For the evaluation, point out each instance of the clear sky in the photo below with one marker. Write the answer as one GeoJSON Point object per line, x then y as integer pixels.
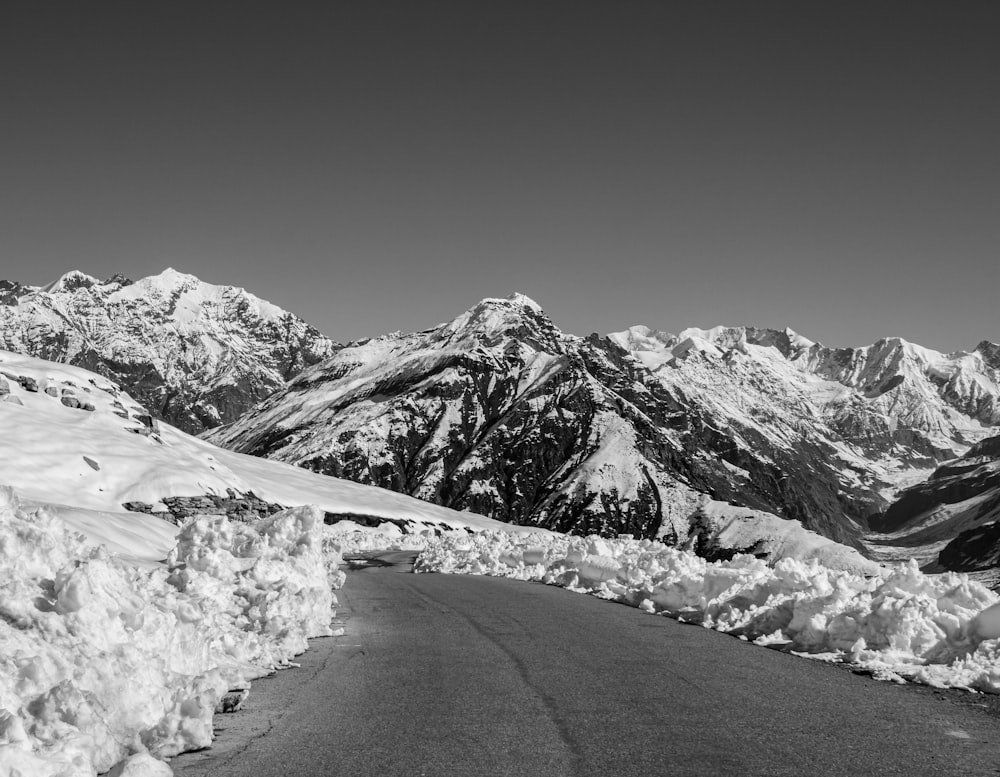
{"type": "Point", "coordinates": [383, 165]}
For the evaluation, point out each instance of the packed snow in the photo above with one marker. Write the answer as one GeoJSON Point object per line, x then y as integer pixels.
{"type": "Point", "coordinates": [943, 630]}
{"type": "Point", "coordinates": [107, 663]}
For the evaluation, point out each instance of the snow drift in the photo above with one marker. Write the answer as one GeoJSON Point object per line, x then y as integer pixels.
{"type": "Point", "coordinates": [943, 630]}
{"type": "Point", "coordinates": [105, 661]}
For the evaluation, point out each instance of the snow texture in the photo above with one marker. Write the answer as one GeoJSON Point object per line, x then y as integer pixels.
{"type": "Point", "coordinates": [943, 630]}
{"type": "Point", "coordinates": [106, 664]}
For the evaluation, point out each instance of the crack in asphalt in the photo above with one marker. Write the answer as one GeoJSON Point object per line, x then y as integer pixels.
{"type": "Point", "coordinates": [548, 701]}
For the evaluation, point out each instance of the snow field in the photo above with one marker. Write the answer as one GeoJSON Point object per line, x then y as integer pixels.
{"type": "Point", "coordinates": [106, 664]}
{"type": "Point", "coordinates": [943, 630]}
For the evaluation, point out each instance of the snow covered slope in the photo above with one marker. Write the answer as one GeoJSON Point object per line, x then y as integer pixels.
{"type": "Point", "coordinates": [74, 438]}
{"type": "Point", "coordinates": [951, 521]}
{"type": "Point", "coordinates": [195, 354]}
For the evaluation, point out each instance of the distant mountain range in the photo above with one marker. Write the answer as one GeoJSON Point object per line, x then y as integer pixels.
{"type": "Point", "coordinates": [498, 412]}
{"type": "Point", "coordinates": [195, 354]}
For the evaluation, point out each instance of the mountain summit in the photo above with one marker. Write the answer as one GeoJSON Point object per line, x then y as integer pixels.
{"type": "Point", "coordinates": [196, 354]}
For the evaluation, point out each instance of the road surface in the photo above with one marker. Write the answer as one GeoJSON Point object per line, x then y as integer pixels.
{"type": "Point", "coordinates": [472, 676]}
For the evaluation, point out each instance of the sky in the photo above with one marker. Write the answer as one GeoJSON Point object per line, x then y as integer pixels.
{"type": "Point", "coordinates": [381, 166]}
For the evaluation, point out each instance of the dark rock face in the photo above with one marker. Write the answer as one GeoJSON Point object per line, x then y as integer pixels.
{"type": "Point", "coordinates": [990, 353]}
{"type": "Point", "coordinates": [236, 506]}
{"type": "Point", "coordinates": [196, 355]}
{"type": "Point", "coordinates": [976, 549]}
{"type": "Point", "coordinates": [10, 291]}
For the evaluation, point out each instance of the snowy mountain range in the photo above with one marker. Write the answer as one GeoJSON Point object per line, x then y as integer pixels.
{"type": "Point", "coordinates": [501, 413]}
{"type": "Point", "coordinates": [195, 354]}
{"type": "Point", "coordinates": [133, 549]}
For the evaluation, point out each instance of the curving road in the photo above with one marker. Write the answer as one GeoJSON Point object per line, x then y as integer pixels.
{"type": "Point", "coordinates": [472, 676]}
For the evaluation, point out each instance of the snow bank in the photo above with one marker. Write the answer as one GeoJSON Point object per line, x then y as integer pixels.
{"type": "Point", "coordinates": [349, 537]}
{"type": "Point", "coordinates": [943, 630]}
{"type": "Point", "coordinates": [105, 662]}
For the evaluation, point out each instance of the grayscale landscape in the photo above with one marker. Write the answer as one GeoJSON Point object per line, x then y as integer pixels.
{"type": "Point", "coordinates": [499, 389]}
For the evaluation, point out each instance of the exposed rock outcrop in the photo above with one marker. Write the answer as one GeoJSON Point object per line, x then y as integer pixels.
{"type": "Point", "coordinates": [243, 507]}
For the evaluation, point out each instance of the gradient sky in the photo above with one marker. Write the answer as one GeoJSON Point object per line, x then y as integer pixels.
{"type": "Point", "coordinates": [373, 166]}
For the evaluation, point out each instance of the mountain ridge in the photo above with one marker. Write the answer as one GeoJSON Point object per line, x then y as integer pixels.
{"type": "Point", "coordinates": [665, 412]}
{"type": "Point", "coordinates": [500, 412]}
{"type": "Point", "coordinates": [196, 354]}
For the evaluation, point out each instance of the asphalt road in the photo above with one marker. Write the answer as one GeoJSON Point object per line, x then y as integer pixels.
{"type": "Point", "coordinates": [472, 676]}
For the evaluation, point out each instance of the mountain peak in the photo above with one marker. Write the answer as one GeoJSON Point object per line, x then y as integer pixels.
{"type": "Point", "coordinates": [71, 281]}
{"type": "Point", "coordinates": [523, 300]}
{"type": "Point", "coordinates": [236, 348]}
{"type": "Point", "coordinates": [493, 311]}
{"type": "Point", "coordinates": [118, 278]}
{"type": "Point", "coordinates": [514, 316]}
{"type": "Point", "coordinates": [170, 279]}
{"type": "Point", "coordinates": [515, 301]}
{"type": "Point", "coordinates": [798, 340]}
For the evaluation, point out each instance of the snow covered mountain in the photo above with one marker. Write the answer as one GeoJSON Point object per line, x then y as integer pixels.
{"type": "Point", "coordinates": [501, 413]}
{"type": "Point", "coordinates": [497, 412]}
{"type": "Point", "coordinates": [892, 397]}
{"type": "Point", "coordinates": [195, 354]}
